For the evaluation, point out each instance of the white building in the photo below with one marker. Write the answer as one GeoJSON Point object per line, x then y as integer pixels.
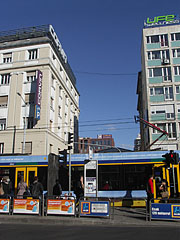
{"type": "Point", "coordinates": [35, 74]}
{"type": "Point", "coordinates": [159, 82]}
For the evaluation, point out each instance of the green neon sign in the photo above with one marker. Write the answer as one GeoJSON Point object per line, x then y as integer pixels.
{"type": "Point", "coordinates": [158, 19]}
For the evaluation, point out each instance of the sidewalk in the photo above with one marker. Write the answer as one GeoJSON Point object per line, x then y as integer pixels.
{"type": "Point", "coordinates": [121, 217]}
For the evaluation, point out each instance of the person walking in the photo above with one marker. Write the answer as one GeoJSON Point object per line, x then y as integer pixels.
{"type": "Point", "coordinates": [36, 188]}
{"type": "Point", "coordinates": [22, 188]}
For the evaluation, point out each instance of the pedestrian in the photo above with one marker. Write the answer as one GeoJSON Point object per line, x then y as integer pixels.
{"type": "Point", "coordinates": [1, 190]}
{"type": "Point", "coordinates": [79, 190]}
{"type": "Point", "coordinates": [57, 189]}
{"type": "Point", "coordinates": [6, 186]}
{"type": "Point", "coordinates": [106, 186]}
{"type": "Point", "coordinates": [22, 188]}
{"type": "Point", "coordinates": [164, 191]}
{"type": "Point", "coordinates": [150, 191]}
{"type": "Point", "coordinates": [36, 188]}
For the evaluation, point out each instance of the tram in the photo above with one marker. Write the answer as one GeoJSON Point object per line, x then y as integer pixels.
{"type": "Point", "coordinates": [125, 172]}
{"type": "Point", "coordinates": [128, 172]}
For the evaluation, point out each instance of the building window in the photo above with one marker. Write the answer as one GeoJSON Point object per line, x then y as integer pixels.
{"type": "Point", "coordinates": [166, 91]}
{"type": "Point", "coordinates": [3, 101]}
{"type": "Point", "coordinates": [28, 147]}
{"type": "Point", "coordinates": [161, 72]}
{"type": "Point", "coordinates": [29, 98]}
{"type": "Point", "coordinates": [2, 124]}
{"type": "Point", "coordinates": [154, 55]}
{"type": "Point", "coordinates": [33, 54]}
{"type": "Point", "coordinates": [52, 81]}
{"type": "Point", "coordinates": [177, 89]}
{"type": "Point", "coordinates": [7, 57]}
{"type": "Point", "coordinates": [5, 79]}
{"type": "Point", "coordinates": [30, 122]}
{"type": "Point", "coordinates": [162, 39]}
{"type": "Point", "coordinates": [52, 103]}
{"type": "Point", "coordinates": [177, 70]}
{"type": "Point", "coordinates": [50, 125]}
{"type": "Point", "coordinates": [176, 53]}
{"type": "Point", "coordinates": [59, 111]}
{"type": "Point", "coordinates": [31, 76]}
{"type": "Point", "coordinates": [1, 148]}
{"type": "Point", "coordinates": [175, 36]}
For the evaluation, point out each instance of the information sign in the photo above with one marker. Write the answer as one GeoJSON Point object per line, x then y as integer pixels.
{"type": "Point", "coordinates": [165, 211]}
{"type": "Point", "coordinates": [94, 208]}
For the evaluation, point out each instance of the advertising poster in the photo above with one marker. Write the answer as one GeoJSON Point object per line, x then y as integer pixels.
{"type": "Point", "coordinates": [165, 211]}
{"type": "Point", "coordinates": [61, 207]}
{"type": "Point", "coordinates": [4, 205]}
{"type": "Point", "coordinates": [94, 208]}
{"type": "Point", "coordinates": [90, 185]}
{"type": "Point", "coordinates": [26, 206]}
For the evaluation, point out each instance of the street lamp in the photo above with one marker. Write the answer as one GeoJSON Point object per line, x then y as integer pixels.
{"type": "Point", "coordinates": [24, 136]}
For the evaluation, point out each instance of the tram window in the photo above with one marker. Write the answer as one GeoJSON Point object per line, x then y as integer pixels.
{"type": "Point", "coordinates": [91, 173]}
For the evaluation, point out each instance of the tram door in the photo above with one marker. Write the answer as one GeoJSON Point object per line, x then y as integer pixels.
{"type": "Point", "coordinates": [171, 175]}
{"type": "Point", "coordinates": [27, 172]}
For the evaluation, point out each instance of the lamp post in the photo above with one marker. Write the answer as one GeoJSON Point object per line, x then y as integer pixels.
{"type": "Point", "coordinates": [24, 135]}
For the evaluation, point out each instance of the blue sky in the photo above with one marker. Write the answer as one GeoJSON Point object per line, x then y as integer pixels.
{"type": "Point", "coordinates": [102, 40]}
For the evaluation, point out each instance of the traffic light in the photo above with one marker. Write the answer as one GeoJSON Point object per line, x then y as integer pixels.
{"type": "Point", "coordinates": [63, 157]}
{"type": "Point", "coordinates": [70, 137]}
{"type": "Point", "coordinates": [171, 158]}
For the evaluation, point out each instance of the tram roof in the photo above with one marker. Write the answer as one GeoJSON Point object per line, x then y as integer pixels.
{"type": "Point", "coordinates": [118, 158]}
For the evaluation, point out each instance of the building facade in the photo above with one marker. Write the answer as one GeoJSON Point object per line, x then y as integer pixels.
{"type": "Point", "coordinates": [102, 142]}
{"type": "Point", "coordinates": [39, 101]}
{"type": "Point", "coordinates": [159, 82]}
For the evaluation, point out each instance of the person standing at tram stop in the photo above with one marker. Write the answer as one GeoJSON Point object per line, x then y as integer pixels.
{"type": "Point", "coordinates": [57, 189]}
{"type": "Point", "coordinates": [150, 190]}
{"type": "Point", "coordinates": [164, 191]}
{"type": "Point", "coordinates": [22, 188]}
{"type": "Point", "coordinates": [6, 185]}
{"type": "Point", "coordinates": [36, 188]}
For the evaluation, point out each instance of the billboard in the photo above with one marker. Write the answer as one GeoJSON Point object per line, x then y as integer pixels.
{"type": "Point", "coordinates": [38, 94]}
{"type": "Point", "coordinates": [61, 207]}
{"type": "Point", "coordinates": [165, 211]}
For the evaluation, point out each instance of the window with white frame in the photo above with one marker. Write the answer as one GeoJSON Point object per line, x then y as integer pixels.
{"type": "Point", "coordinates": [176, 53]}
{"type": "Point", "coordinates": [163, 54]}
{"type": "Point", "coordinates": [161, 72]}
{"type": "Point", "coordinates": [163, 39]}
{"type": "Point", "coordinates": [177, 70]}
{"type": "Point", "coordinates": [1, 148]}
{"type": "Point", "coordinates": [31, 76]}
{"type": "Point", "coordinates": [170, 128]}
{"type": "Point", "coordinates": [3, 101]}
{"type": "Point", "coordinates": [5, 79]}
{"type": "Point", "coordinates": [175, 36]}
{"type": "Point", "coordinates": [33, 54]}
{"type": "Point", "coordinates": [168, 110]}
{"type": "Point", "coordinates": [2, 124]}
{"type": "Point", "coordinates": [166, 91]}
{"type": "Point", "coordinates": [7, 57]}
